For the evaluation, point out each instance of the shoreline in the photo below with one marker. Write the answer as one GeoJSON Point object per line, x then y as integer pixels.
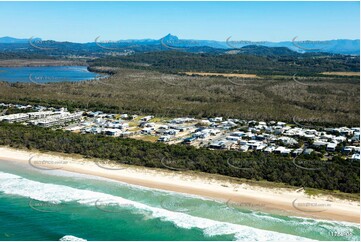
{"type": "Point", "coordinates": [283, 201]}
{"type": "Point", "coordinates": [40, 63]}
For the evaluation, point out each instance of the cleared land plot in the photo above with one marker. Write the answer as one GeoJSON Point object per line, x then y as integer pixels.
{"type": "Point", "coordinates": [221, 74]}
{"type": "Point", "coordinates": [340, 73]}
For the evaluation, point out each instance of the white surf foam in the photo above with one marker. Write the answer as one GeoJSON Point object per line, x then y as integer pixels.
{"type": "Point", "coordinates": [16, 185]}
{"type": "Point", "coordinates": [71, 238]}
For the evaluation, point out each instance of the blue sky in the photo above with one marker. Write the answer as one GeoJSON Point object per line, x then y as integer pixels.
{"type": "Point", "coordinates": [256, 21]}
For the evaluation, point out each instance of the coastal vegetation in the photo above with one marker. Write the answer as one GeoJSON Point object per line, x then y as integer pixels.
{"type": "Point", "coordinates": [320, 100]}
{"type": "Point", "coordinates": [249, 62]}
{"type": "Point", "coordinates": [334, 175]}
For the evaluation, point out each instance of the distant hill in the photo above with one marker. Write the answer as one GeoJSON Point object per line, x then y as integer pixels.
{"type": "Point", "coordinates": [342, 46]}
{"type": "Point", "coordinates": [171, 42]}
{"type": "Point", "coordinates": [265, 51]}
{"type": "Point", "coordinates": [11, 40]}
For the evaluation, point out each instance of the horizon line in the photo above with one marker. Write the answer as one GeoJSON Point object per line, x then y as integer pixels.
{"type": "Point", "coordinates": [145, 38]}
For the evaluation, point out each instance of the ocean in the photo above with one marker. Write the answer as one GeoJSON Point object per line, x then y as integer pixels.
{"type": "Point", "coordinates": [58, 205]}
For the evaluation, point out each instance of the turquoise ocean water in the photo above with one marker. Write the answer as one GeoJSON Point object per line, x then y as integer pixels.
{"type": "Point", "coordinates": [48, 205]}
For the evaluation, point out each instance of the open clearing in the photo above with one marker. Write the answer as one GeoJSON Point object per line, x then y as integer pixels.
{"type": "Point", "coordinates": [341, 73]}
{"type": "Point", "coordinates": [221, 74]}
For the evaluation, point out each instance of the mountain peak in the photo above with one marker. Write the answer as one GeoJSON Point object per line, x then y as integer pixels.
{"type": "Point", "coordinates": [170, 37]}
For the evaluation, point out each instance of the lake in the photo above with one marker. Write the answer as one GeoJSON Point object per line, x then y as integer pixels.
{"type": "Point", "coordinates": [46, 74]}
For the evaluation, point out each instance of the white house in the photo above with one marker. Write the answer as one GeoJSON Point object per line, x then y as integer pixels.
{"type": "Point", "coordinates": [237, 134]}
{"type": "Point", "coordinates": [355, 157]}
{"type": "Point", "coordinates": [244, 148]}
{"type": "Point", "coordinates": [331, 147]}
{"type": "Point", "coordinates": [146, 118]}
{"type": "Point", "coordinates": [269, 149]}
{"type": "Point", "coordinates": [164, 139]}
{"type": "Point", "coordinates": [113, 132]}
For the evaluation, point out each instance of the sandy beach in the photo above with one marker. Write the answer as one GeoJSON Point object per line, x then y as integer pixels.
{"type": "Point", "coordinates": [276, 200]}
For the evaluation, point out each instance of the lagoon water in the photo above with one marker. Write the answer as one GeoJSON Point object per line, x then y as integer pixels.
{"type": "Point", "coordinates": [46, 74]}
{"type": "Point", "coordinates": [48, 205]}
